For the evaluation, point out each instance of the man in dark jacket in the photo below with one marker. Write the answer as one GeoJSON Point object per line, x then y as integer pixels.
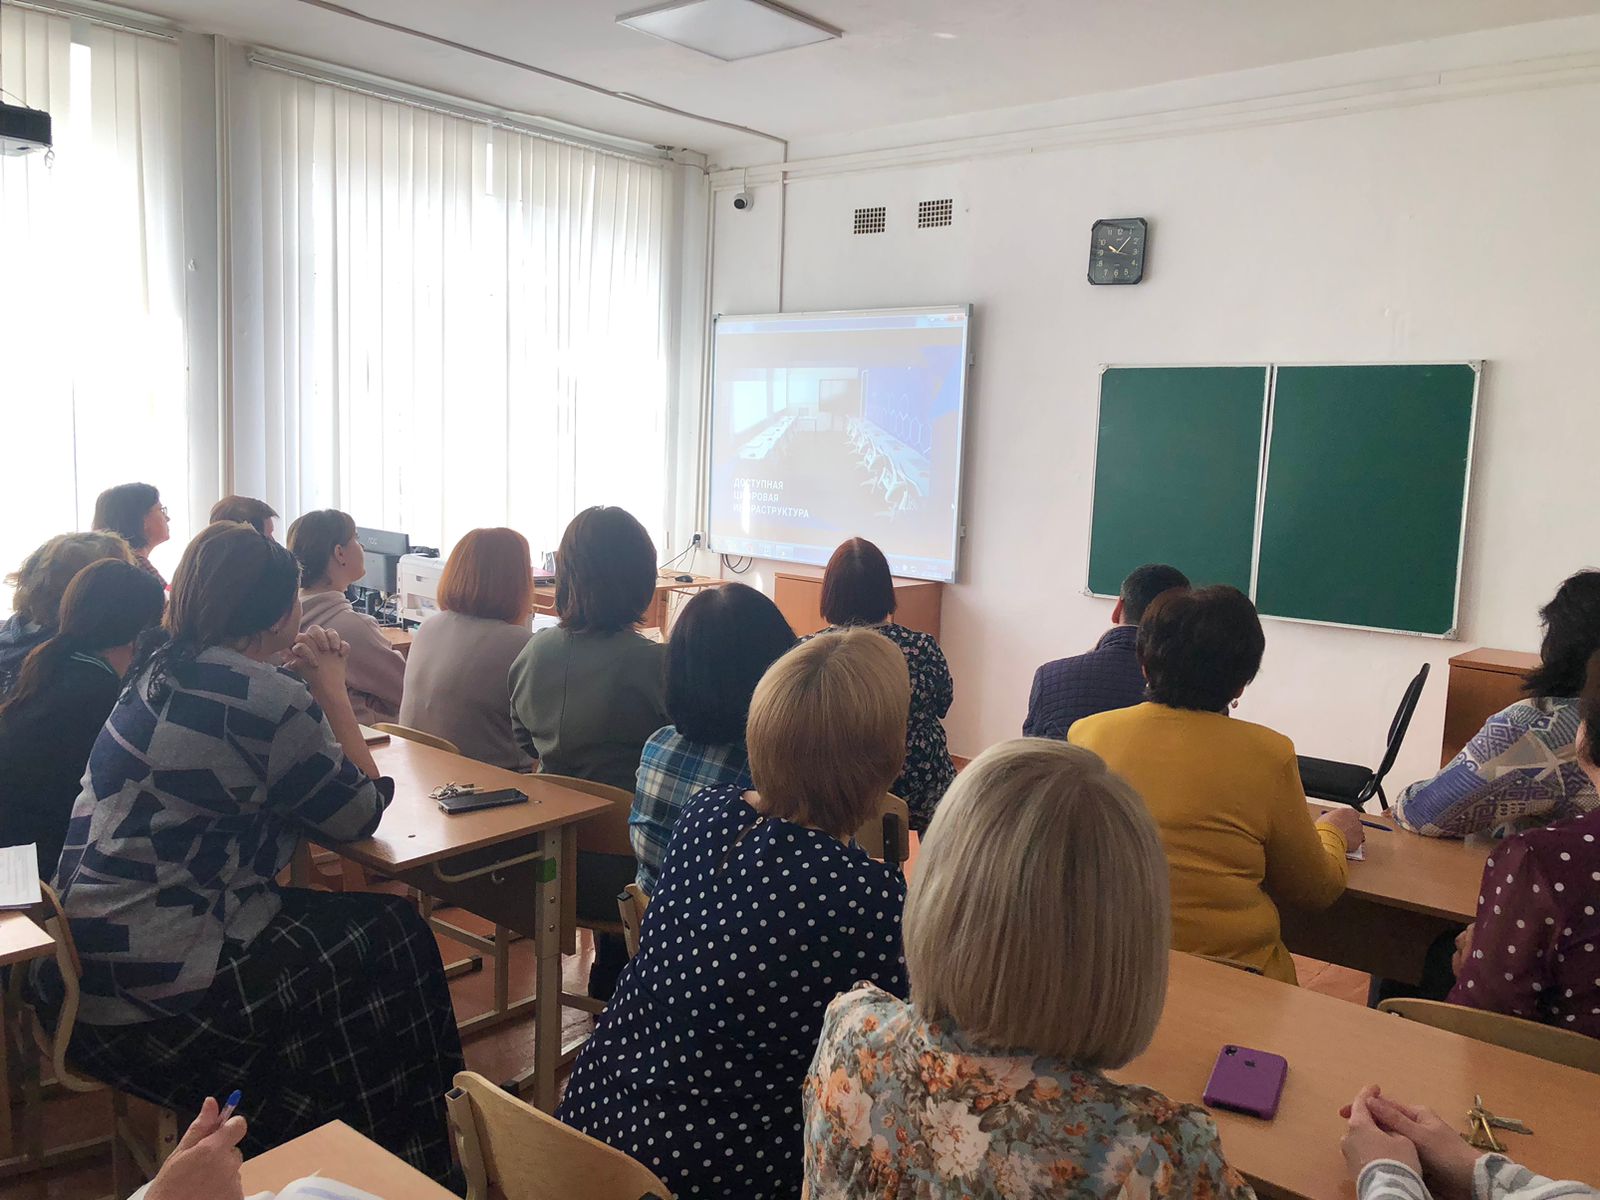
{"type": "Point", "coordinates": [1108, 676]}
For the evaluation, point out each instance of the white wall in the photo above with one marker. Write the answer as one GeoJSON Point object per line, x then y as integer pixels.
{"type": "Point", "coordinates": [1458, 227]}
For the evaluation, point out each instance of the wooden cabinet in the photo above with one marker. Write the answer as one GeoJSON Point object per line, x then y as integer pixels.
{"type": "Point", "coordinates": [1482, 682]}
{"type": "Point", "coordinates": [799, 599]}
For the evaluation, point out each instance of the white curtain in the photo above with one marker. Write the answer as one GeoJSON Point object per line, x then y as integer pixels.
{"type": "Point", "coordinates": [459, 324]}
{"type": "Point", "coordinates": [92, 357]}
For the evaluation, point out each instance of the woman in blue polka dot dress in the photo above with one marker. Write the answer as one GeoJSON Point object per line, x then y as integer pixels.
{"type": "Point", "coordinates": [764, 912]}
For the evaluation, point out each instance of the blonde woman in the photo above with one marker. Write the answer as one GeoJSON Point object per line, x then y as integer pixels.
{"type": "Point", "coordinates": [40, 583]}
{"type": "Point", "coordinates": [763, 912]}
{"type": "Point", "coordinates": [1036, 940]}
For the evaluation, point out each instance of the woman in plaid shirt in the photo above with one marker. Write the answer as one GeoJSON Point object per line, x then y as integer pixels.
{"type": "Point", "coordinates": [722, 643]}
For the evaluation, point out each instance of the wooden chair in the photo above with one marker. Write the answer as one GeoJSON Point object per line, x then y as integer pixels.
{"type": "Point", "coordinates": [889, 827]}
{"type": "Point", "coordinates": [133, 1161]}
{"type": "Point", "coordinates": [1527, 1037]}
{"type": "Point", "coordinates": [605, 855]}
{"type": "Point", "coordinates": [416, 735]}
{"type": "Point", "coordinates": [510, 1150]}
{"type": "Point", "coordinates": [497, 946]}
{"type": "Point", "coordinates": [630, 907]}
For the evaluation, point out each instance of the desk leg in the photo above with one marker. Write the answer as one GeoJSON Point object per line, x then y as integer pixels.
{"type": "Point", "coordinates": [300, 865]}
{"type": "Point", "coordinates": [549, 882]}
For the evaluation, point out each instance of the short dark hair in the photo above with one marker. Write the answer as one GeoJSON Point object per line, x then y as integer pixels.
{"type": "Point", "coordinates": [1589, 710]}
{"type": "Point", "coordinates": [605, 571]}
{"type": "Point", "coordinates": [1144, 584]}
{"type": "Point", "coordinates": [857, 588]}
{"type": "Point", "coordinates": [722, 643]}
{"type": "Point", "coordinates": [1200, 649]}
{"type": "Point", "coordinates": [313, 538]}
{"type": "Point", "coordinates": [247, 510]}
{"type": "Point", "coordinates": [122, 509]}
{"type": "Point", "coordinates": [1571, 636]}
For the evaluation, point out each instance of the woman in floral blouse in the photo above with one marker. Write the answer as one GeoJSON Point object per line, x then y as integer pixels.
{"type": "Point", "coordinates": [857, 589]}
{"type": "Point", "coordinates": [989, 1082]}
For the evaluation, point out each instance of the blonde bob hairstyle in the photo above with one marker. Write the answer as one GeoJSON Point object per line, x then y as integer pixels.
{"type": "Point", "coordinates": [827, 730]}
{"type": "Point", "coordinates": [1038, 918]}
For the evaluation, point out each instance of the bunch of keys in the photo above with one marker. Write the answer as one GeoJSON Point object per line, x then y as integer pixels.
{"type": "Point", "coordinates": [447, 791]}
{"type": "Point", "coordinates": [1481, 1126]}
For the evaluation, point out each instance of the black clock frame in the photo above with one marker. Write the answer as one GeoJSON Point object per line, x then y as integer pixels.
{"type": "Point", "coordinates": [1144, 231]}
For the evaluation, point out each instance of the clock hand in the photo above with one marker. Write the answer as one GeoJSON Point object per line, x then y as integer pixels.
{"type": "Point", "coordinates": [1124, 245]}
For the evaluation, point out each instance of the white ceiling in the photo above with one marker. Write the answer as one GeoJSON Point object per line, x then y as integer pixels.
{"type": "Point", "coordinates": [899, 61]}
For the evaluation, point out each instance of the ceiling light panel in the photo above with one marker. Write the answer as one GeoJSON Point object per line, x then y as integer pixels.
{"type": "Point", "coordinates": [729, 29]}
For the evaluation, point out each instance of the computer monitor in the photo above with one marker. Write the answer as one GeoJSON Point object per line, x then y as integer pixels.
{"type": "Point", "coordinates": [383, 548]}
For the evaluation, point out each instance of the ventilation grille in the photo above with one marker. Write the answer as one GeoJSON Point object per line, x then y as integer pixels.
{"type": "Point", "coordinates": [872, 220]}
{"type": "Point", "coordinates": [933, 213]}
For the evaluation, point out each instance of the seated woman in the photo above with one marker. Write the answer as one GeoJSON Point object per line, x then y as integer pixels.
{"type": "Point", "coordinates": [38, 586]}
{"type": "Point", "coordinates": [247, 510]}
{"type": "Point", "coordinates": [857, 590]}
{"type": "Point", "coordinates": [764, 912]}
{"type": "Point", "coordinates": [135, 513]}
{"type": "Point", "coordinates": [1534, 951]}
{"type": "Point", "coordinates": [50, 720]}
{"type": "Point", "coordinates": [201, 974]}
{"type": "Point", "coordinates": [587, 695]}
{"type": "Point", "coordinates": [1519, 772]}
{"type": "Point", "coordinates": [456, 684]}
{"type": "Point", "coordinates": [331, 559]}
{"type": "Point", "coordinates": [1225, 794]}
{"type": "Point", "coordinates": [990, 1081]}
{"type": "Point", "coordinates": [722, 643]}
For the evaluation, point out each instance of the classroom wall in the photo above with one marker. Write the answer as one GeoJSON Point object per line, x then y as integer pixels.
{"type": "Point", "coordinates": [1416, 204]}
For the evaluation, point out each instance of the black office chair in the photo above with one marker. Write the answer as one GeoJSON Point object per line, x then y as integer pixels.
{"type": "Point", "coordinates": [1348, 783]}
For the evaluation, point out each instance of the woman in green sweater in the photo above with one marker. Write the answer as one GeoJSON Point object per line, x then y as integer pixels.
{"type": "Point", "coordinates": [587, 695]}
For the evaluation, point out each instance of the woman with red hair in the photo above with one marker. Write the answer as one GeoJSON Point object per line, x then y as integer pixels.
{"type": "Point", "coordinates": [456, 674]}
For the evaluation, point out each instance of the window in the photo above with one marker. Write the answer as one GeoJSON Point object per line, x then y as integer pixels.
{"type": "Point", "coordinates": [462, 324]}
{"type": "Point", "coordinates": [93, 374]}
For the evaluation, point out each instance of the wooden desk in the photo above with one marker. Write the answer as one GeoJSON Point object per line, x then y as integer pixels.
{"type": "Point", "coordinates": [658, 615]}
{"type": "Point", "coordinates": [397, 637]}
{"type": "Point", "coordinates": [799, 599]}
{"type": "Point", "coordinates": [339, 1152]}
{"type": "Point", "coordinates": [1335, 1048]}
{"type": "Point", "coordinates": [1408, 891]}
{"type": "Point", "coordinates": [21, 940]}
{"type": "Point", "coordinates": [1482, 682]}
{"type": "Point", "coordinates": [504, 864]}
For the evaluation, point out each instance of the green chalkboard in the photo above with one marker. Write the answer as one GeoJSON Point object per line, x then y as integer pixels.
{"type": "Point", "coordinates": [1176, 475]}
{"type": "Point", "coordinates": [1366, 486]}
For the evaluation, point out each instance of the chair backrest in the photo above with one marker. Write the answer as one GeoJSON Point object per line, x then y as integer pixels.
{"type": "Point", "coordinates": [1529, 1037]}
{"type": "Point", "coordinates": [1397, 729]}
{"type": "Point", "coordinates": [416, 735]}
{"type": "Point", "coordinates": [54, 1046]}
{"type": "Point", "coordinates": [886, 835]}
{"type": "Point", "coordinates": [605, 832]}
{"type": "Point", "coordinates": [630, 907]}
{"type": "Point", "coordinates": [511, 1151]}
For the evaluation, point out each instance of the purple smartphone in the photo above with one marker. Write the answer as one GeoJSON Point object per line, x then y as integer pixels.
{"type": "Point", "coordinates": [1247, 1081]}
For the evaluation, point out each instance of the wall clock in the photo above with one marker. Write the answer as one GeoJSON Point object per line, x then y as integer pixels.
{"type": "Point", "coordinates": [1117, 250]}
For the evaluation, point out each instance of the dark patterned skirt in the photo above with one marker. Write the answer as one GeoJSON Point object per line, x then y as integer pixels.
{"type": "Point", "coordinates": [338, 1010]}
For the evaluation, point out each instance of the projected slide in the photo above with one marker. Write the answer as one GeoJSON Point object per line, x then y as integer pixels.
{"type": "Point", "coordinates": [834, 425]}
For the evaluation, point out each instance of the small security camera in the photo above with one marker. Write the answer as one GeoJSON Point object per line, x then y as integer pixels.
{"type": "Point", "coordinates": [744, 201]}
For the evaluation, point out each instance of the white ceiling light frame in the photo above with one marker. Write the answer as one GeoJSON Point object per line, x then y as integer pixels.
{"type": "Point", "coordinates": [730, 29]}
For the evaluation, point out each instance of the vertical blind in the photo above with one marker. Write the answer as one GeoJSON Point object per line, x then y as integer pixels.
{"type": "Point", "coordinates": [460, 324]}
{"type": "Point", "coordinates": [92, 369]}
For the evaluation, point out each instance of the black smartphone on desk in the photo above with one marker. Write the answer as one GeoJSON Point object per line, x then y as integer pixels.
{"type": "Point", "coordinates": [465, 802]}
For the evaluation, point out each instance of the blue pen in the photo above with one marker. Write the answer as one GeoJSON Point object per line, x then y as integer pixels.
{"type": "Point", "coordinates": [233, 1103]}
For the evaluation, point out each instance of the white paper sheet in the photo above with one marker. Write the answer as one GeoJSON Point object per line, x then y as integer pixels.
{"type": "Point", "coordinates": [19, 876]}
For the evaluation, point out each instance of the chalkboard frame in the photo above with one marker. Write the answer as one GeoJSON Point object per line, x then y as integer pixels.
{"type": "Point", "coordinates": [1477, 367]}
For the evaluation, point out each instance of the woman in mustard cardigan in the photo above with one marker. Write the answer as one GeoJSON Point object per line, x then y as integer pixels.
{"type": "Point", "coordinates": [1225, 793]}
